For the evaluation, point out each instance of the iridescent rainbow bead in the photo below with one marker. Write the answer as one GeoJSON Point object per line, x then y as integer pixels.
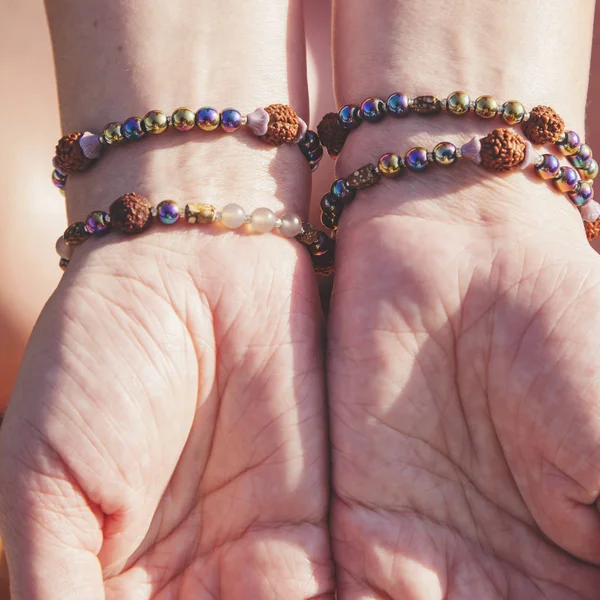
{"type": "Point", "coordinates": [372, 110]}
{"type": "Point", "coordinates": [98, 223]}
{"type": "Point", "coordinates": [549, 168]}
{"type": "Point", "coordinates": [168, 212]}
{"type": "Point", "coordinates": [582, 195]}
{"type": "Point", "coordinates": [590, 172]}
{"type": "Point", "coordinates": [445, 154]}
{"type": "Point", "coordinates": [58, 179]}
{"type": "Point", "coordinates": [398, 105]}
{"type": "Point", "coordinates": [132, 129]}
{"type": "Point", "coordinates": [582, 159]}
{"type": "Point", "coordinates": [416, 159]}
{"type": "Point", "coordinates": [567, 180]}
{"type": "Point", "coordinates": [342, 192]}
{"type": "Point", "coordinates": [458, 103]}
{"type": "Point", "coordinates": [570, 143]}
{"type": "Point", "coordinates": [349, 116]}
{"type": "Point", "coordinates": [155, 122]}
{"type": "Point", "coordinates": [208, 118]}
{"type": "Point", "coordinates": [183, 119]}
{"type": "Point", "coordinates": [231, 120]}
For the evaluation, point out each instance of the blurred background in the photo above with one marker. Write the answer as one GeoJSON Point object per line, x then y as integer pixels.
{"type": "Point", "coordinates": [33, 214]}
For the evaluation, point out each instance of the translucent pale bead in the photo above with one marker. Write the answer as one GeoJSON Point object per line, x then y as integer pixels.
{"type": "Point", "coordinates": [233, 216]}
{"type": "Point", "coordinates": [263, 220]}
{"type": "Point", "coordinates": [62, 249]}
{"type": "Point", "coordinates": [291, 225]}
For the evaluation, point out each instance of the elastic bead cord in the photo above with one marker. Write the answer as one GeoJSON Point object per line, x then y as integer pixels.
{"type": "Point", "coordinates": [133, 214]}
{"type": "Point", "coordinates": [276, 124]}
{"type": "Point", "coordinates": [500, 151]}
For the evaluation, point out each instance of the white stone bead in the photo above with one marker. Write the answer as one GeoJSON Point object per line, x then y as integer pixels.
{"type": "Point", "coordinates": [263, 220]}
{"type": "Point", "coordinates": [291, 225]}
{"type": "Point", "coordinates": [233, 216]}
{"type": "Point", "coordinates": [62, 249]}
{"type": "Point", "coordinates": [590, 211]}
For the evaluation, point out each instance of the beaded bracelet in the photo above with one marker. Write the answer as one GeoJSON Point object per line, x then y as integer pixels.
{"type": "Point", "coordinates": [276, 124]}
{"type": "Point", "coordinates": [133, 213]}
{"type": "Point", "coordinates": [543, 125]}
{"type": "Point", "coordinates": [502, 150]}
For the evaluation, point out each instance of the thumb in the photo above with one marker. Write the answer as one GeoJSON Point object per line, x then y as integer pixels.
{"type": "Point", "coordinates": [52, 534]}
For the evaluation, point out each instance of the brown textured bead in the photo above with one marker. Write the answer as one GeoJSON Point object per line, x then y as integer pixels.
{"type": "Point", "coordinates": [76, 234]}
{"type": "Point", "coordinates": [364, 177]}
{"type": "Point", "coordinates": [332, 134]}
{"type": "Point", "coordinates": [69, 155]}
{"type": "Point", "coordinates": [131, 213]}
{"type": "Point", "coordinates": [309, 234]}
{"type": "Point", "coordinates": [283, 124]}
{"type": "Point", "coordinates": [544, 126]}
{"type": "Point", "coordinates": [502, 150]}
{"type": "Point", "coordinates": [427, 105]}
{"type": "Point", "coordinates": [592, 230]}
{"type": "Point", "coordinates": [200, 213]}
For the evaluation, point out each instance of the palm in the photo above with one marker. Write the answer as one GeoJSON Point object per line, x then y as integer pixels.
{"type": "Point", "coordinates": [178, 423]}
{"type": "Point", "coordinates": [464, 422]}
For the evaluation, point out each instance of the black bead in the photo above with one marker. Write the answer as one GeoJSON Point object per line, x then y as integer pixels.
{"type": "Point", "coordinates": [321, 246]}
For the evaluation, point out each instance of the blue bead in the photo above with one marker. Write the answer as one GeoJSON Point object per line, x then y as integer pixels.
{"type": "Point", "coordinates": [549, 168]}
{"type": "Point", "coordinates": [310, 141]}
{"type": "Point", "coordinates": [583, 158]}
{"type": "Point", "coordinates": [342, 192]}
{"type": "Point", "coordinates": [398, 105]}
{"type": "Point", "coordinates": [231, 120]}
{"type": "Point", "coordinates": [349, 116]}
{"type": "Point", "coordinates": [132, 129]}
{"type": "Point", "coordinates": [372, 110]}
{"type": "Point", "coordinates": [331, 205]}
{"type": "Point", "coordinates": [416, 159]}
{"type": "Point", "coordinates": [315, 154]}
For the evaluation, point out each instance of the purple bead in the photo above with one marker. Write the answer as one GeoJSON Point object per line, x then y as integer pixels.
{"type": "Point", "coordinates": [570, 144]}
{"type": "Point", "coordinates": [231, 120]}
{"type": "Point", "coordinates": [567, 180]}
{"type": "Point", "coordinates": [372, 110]}
{"type": "Point", "coordinates": [98, 223]}
{"type": "Point", "coordinates": [583, 196]}
{"type": "Point", "coordinates": [208, 118]}
{"type": "Point", "coordinates": [349, 116]}
{"type": "Point", "coordinates": [549, 168]}
{"type": "Point", "coordinates": [416, 159]}
{"type": "Point", "coordinates": [398, 105]}
{"type": "Point", "coordinates": [342, 192]}
{"type": "Point", "coordinates": [582, 159]}
{"type": "Point", "coordinates": [132, 129]}
{"type": "Point", "coordinates": [167, 212]}
{"type": "Point", "coordinates": [58, 179]}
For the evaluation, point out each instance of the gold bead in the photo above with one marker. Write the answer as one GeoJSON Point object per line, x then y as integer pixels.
{"type": "Point", "coordinates": [390, 165]}
{"type": "Point", "coordinates": [155, 122]}
{"type": "Point", "coordinates": [486, 107]}
{"type": "Point", "coordinates": [444, 154]}
{"type": "Point", "coordinates": [458, 103]}
{"type": "Point", "coordinates": [112, 134]}
{"type": "Point", "coordinates": [513, 112]}
{"type": "Point", "coordinates": [590, 172]}
{"type": "Point", "coordinates": [184, 119]}
{"type": "Point", "coordinates": [199, 213]}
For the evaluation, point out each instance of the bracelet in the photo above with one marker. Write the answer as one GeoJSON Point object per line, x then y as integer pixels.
{"type": "Point", "coordinates": [500, 151]}
{"type": "Point", "coordinates": [543, 125]}
{"type": "Point", "coordinates": [133, 213]}
{"type": "Point", "coordinates": [276, 124]}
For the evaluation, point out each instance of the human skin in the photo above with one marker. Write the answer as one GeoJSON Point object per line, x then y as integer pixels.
{"type": "Point", "coordinates": [463, 331]}
{"type": "Point", "coordinates": [178, 356]}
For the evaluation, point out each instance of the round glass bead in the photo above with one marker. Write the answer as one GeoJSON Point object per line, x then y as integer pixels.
{"type": "Point", "coordinates": [330, 221]}
{"type": "Point", "coordinates": [168, 212]}
{"type": "Point", "coordinates": [342, 192]}
{"type": "Point", "coordinates": [132, 129]}
{"type": "Point", "coordinates": [512, 112]}
{"type": "Point", "coordinates": [155, 122]}
{"type": "Point", "coordinates": [398, 105]}
{"type": "Point", "coordinates": [231, 120]}
{"type": "Point", "coordinates": [486, 107]}
{"type": "Point", "coordinates": [582, 159]}
{"type": "Point", "coordinates": [321, 245]}
{"type": "Point", "coordinates": [184, 119]}
{"type": "Point", "coordinates": [372, 110]}
{"type": "Point", "coordinates": [549, 167]}
{"type": "Point", "coordinates": [310, 142]}
{"type": "Point", "coordinates": [62, 249]}
{"type": "Point", "coordinates": [58, 179]}
{"type": "Point", "coordinates": [416, 159]}
{"type": "Point", "coordinates": [208, 119]}
{"type": "Point", "coordinates": [583, 195]}
{"type": "Point", "coordinates": [349, 116]}
{"type": "Point", "coordinates": [233, 216]}
{"type": "Point", "coordinates": [590, 172]}
{"type": "Point", "coordinates": [291, 225]}
{"type": "Point", "coordinates": [444, 154]}
{"type": "Point", "coordinates": [98, 223]}
{"type": "Point", "coordinates": [570, 143]}
{"type": "Point", "coordinates": [567, 180]}
{"type": "Point", "coordinates": [330, 205]}
{"type": "Point", "coordinates": [390, 165]}
{"type": "Point", "coordinates": [458, 103]}
{"type": "Point", "coordinates": [315, 155]}
{"type": "Point", "coordinates": [112, 134]}
{"type": "Point", "coordinates": [262, 220]}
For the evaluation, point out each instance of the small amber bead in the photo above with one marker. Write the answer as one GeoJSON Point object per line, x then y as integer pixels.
{"type": "Point", "coordinates": [184, 119]}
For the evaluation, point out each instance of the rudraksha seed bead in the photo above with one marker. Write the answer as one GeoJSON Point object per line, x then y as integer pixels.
{"type": "Point", "coordinates": [321, 245]}
{"type": "Point", "coordinates": [308, 234]}
{"type": "Point", "coordinates": [76, 234]}
{"type": "Point", "coordinates": [592, 230]}
{"type": "Point", "coordinates": [98, 223]}
{"type": "Point", "coordinates": [331, 205]}
{"type": "Point", "coordinates": [342, 192]}
{"type": "Point", "coordinates": [427, 105]}
{"type": "Point", "coordinates": [372, 110]}
{"type": "Point", "coordinates": [349, 116]}
{"type": "Point", "coordinates": [330, 221]}
{"type": "Point", "coordinates": [502, 150]}
{"type": "Point", "coordinates": [69, 155]}
{"type": "Point", "coordinates": [131, 213]}
{"type": "Point", "coordinates": [364, 177]}
{"type": "Point", "coordinates": [549, 168]}
{"type": "Point", "coordinates": [283, 125]}
{"type": "Point", "coordinates": [569, 144]}
{"type": "Point", "coordinates": [544, 126]}
{"type": "Point", "coordinates": [332, 133]}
